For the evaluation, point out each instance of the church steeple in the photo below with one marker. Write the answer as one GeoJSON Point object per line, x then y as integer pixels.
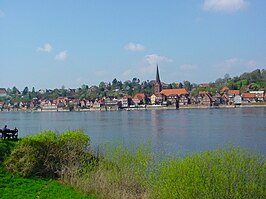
{"type": "Point", "coordinates": [157, 85]}
{"type": "Point", "coordinates": [157, 75]}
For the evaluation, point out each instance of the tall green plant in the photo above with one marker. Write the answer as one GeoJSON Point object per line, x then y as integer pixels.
{"type": "Point", "coordinates": [5, 148]}
{"type": "Point", "coordinates": [227, 173]}
{"type": "Point", "coordinates": [48, 154]}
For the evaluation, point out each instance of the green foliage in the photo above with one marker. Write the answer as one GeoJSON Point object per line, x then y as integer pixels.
{"type": "Point", "coordinates": [5, 148]}
{"type": "Point", "coordinates": [48, 154]}
{"type": "Point", "coordinates": [121, 172]}
{"type": "Point", "coordinates": [212, 90]}
{"type": "Point", "coordinates": [17, 187]}
{"type": "Point", "coordinates": [228, 173]}
{"type": "Point", "coordinates": [256, 79]}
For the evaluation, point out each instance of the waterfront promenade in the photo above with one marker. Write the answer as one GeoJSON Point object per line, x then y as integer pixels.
{"type": "Point", "coordinates": [137, 108]}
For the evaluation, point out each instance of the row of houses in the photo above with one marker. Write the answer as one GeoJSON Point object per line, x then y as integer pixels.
{"type": "Point", "coordinates": [224, 96]}
{"type": "Point", "coordinates": [166, 97]}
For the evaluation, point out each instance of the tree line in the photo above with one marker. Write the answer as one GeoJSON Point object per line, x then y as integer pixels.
{"type": "Point", "coordinates": [249, 81]}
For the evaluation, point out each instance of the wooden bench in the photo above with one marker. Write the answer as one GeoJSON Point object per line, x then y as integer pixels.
{"type": "Point", "coordinates": [9, 133]}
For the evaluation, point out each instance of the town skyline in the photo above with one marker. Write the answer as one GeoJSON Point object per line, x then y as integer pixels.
{"type": "Point", "coordinates": [156, 75]}
{"type": "Point", "coordinates": [54, 44]}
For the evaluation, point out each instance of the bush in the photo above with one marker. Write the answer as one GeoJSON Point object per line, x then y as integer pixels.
{"type": "Point", "coordinates": [5, 148]}
{"type": "Point", "coordinates": [48, 154]}
{"type": "Point", "coordinates": [120, 173]}
{"type": "Point", "coordinates": [127, 173]}
{"type": "Point", "coordinates": [227, 173]}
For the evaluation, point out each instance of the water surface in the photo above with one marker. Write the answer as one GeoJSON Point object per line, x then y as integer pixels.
{"type": "Point", "coordinates": [183, 131]}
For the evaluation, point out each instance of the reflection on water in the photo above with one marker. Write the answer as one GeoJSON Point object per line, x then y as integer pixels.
{"type": "Point", "coordinates": [167, 130]}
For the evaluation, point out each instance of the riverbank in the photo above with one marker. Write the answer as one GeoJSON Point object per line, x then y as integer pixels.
{"type": "Point", "coordinates": [141, 108]}
{"type": "Point", "coordinates": [15, 186]}
{"type": "Point", "coordinates": [12, 186]}
{"type": "Point", "coordinates": [119, 172]}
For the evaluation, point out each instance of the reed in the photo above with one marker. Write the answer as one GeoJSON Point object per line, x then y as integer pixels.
{"type": "Point", "coordinates": [223, 173]}
{"type": "Point", "coordinates": [120, 172]}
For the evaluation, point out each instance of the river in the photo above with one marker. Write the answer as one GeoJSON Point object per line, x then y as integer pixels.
{"type": "Point", "coordinates": [170, 131]}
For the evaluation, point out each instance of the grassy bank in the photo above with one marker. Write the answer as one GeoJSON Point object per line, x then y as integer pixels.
{"type": "Point", "coordinates": [17, 187]}
{"type": "Point", "coordinates": [122, 173]}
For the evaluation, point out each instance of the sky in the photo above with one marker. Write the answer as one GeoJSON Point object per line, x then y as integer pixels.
{"type": "Point", "coordinates": [55, 43]}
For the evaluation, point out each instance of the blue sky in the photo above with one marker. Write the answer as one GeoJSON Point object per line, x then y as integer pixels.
{"type": "Point", "coordinates": [55, 43]}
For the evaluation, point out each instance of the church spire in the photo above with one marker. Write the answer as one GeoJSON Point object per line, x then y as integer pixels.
{"type": "Point", "coordinates": [157, 85]}
{"type": "Point", "coordinates": [157, 75]}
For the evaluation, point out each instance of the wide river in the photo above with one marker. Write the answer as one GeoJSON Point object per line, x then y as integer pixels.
{"type": "Point", "coordinates": [170, 131]}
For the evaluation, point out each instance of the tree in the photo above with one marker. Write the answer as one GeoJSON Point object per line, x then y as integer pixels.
{"type": "Point", "coordinates": [187, 85]}
{"type": "Point", "coordinates": [101, 89]}
{"type": "Point", "coordinates": [84, 87]}
{"type": "Point", "coordinates": [25, 91]}
{"type": "Point", "coordinates": [174, 85]}
{"type": "Point", "coordinates": [169, 86]}
{"type": "Point", "coordinates": [15, 91]}
{"type": "Point", "coordinates": [219, 81]}
{"type": "Point", "coordinates": [226, 77]}
{"type": "Point", "coordinates": [114, 84]}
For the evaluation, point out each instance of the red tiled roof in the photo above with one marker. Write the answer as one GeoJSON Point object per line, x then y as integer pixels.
{"type": "Point", "coordinates": [203, 92]}
{"type": "Point", "coordinates": [224, 89]}
{"type": "Point", "coordinates": [140, 96]}
{"type": "Point", "coordinates": [204, 85]}
{"type": "Point", "coordinates": [2, 90]}
{"type": "Point", "coordinates": [177, 91]}
{"type": "Point", "coordinates": [248, 95]}
{"type": "Point", "coordinates": [234, 92]}
{"type": "Point", "coordinates": [157, 95]}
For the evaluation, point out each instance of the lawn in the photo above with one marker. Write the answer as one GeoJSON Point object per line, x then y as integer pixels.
{"type": "Point", "coordinates": [17, 187]}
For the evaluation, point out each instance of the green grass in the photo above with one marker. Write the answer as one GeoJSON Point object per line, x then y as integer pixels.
{"type": "Point", "coordinates": [24, 188]}
{"type": "Point", "coordinates": [5, 148]}
{"type": "Point", "coordinates": [120, 172]}
{"type": "Point", "coordinates": [222, 173]}
{"type": "Point", "coordinates": [225, 173]}
{"type": "Point", "coordinates": [13, 186]}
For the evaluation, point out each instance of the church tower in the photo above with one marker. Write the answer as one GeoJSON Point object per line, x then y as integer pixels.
{"type": "Point", "coordinates": [157, 85]}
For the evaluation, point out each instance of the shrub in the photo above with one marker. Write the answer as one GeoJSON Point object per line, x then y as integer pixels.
{"type": "Point", "coordinates": [48, 154]}
{"type": "Point", "coordinates": [120, 173]}
{"type": "Point", "coordinates": [227, 173]}
{"type": "Point", "coordinates": [5, 148]}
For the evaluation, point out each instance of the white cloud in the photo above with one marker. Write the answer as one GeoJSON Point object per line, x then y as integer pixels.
{"type": "Point", "coordinates": [154, 59]}
{"type": "Point", "coordinates": [251, 63]}
{"type": "Point", "coordinates": [46, 48]}
{"type": "Point", "coordinates": [151, 61]}
{"type": "Point", "coordinates": [134, 47]}
{"type": "Point", "coordinates": [229, 63]}
{"type": "Point", "coordinates": [100, 73]}
{"type": "Point", "coordinates": [188, 67]}
{"type": "Point", "coordinates": [227, 66]}
{"type": "Point", "coordinates": [127, 74]}
{"type": "Point", "coordinates": [61, 56]}
{"type": "Point", "coordinates": [224, 5]}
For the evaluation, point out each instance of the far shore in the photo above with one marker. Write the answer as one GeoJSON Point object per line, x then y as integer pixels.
{"type": "Point", "coordinates": [140, 108]}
